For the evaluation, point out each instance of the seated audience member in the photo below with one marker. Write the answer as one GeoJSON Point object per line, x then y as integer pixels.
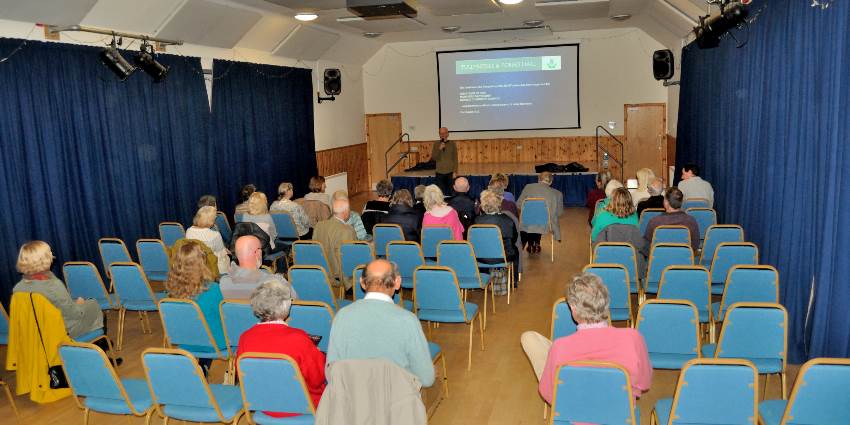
{"type": "Point", "coordinates": [331, 233]}
{"type": "Point", "coordinates": [403, 214]}
{"type": "Point", "coordinates": [612, 185]}
{"type": "Point", "coordinates": [620, 210]}
{"type": "Point", "coordinates": [693, 186]}
{"type": "Point", "coordinates": [596, 194]}
{"type": "Point", "coordinates": [244, 194]}
{"type": "Point", "coordinates": [491, 213]}
{"type": "Point", "coordinates": [376, 209]}
{"type": "Point", "coordinates": [656, 197]}
{"type": "Point", "coordinates": [462, 203]}
{"type": "Point", "coordinates": [507, 206]}
{"type": "Point", "coordinates": [354, 220]}
{"type": "Point", "coordinates": [202, 230]}
{"type": "Point", "coordinates": [271, 303]}
{"type": "Point", "coordinates": [189, 278]}
{"type": "Point", "coordinates": [672, 216]}
{"type": "Point", "coordinates": [554, 202]}
{"type": "Point", "coordinates": [501, 180]}
{"type": "Point", "coordinates": [207, 201]}
{"type": "Point", "coordinates": [418, 205]}
{"type": "Point", "coordinates": [317, 191]}
{"type": "Point", "coordinates": [376, 328]}
{"type": "Point", "coordinates": [438, 213]}
{"type": "Point", "coordinates": [644, 177]}
{"type": "Point", "coordinates": [285, 204]}
{"type": "Point", "coordinates": [242, 278]}
{"type": "Point", "coordinates": [258, 212]}
{"type": "Point", "coordinates": [595, 340]}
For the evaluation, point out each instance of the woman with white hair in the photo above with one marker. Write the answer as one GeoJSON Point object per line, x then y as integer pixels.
{"type": "Point", "coordinates": [271, 302]}
{"type": "Point", "coordinates": [202, 231]}
{"type": "Point", "coordinates": [438, 213]}
{"type": "Point", "coordinates": [285, 204]}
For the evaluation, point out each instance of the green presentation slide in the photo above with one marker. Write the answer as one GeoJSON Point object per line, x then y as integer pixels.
{"type": "Point", "coordinates": [523, 64]}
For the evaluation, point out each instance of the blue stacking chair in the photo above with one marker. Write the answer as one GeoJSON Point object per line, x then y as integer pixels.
{"type": "Point", "coordinates": [272, 382]}
{"type": "Point", "coordinates": [312, 317]}
{"type": "Point", "coordinates": [153, 259]}
{"type": "Point", "coordinates": [359, 293]}
{"type": "Point", "coordinates": [170, 232]}
{"type": "Point", "coordinates": [96, 386]}
{"type": "Point", "coordinates": [223, 227]}
{"type": "Point", "coordinates": [407, 256]}
{"type": "Point", "coordinates": [695, 203]}
{"type": "Point", "coordinates": [534, 212]}
{"type": "Point", "coordinates": [431, 236]}
{"type": "Point", "coordinates": [311, 284]}
{"type": "Point", "coordinates": [646, 215]}
{"type": "Point", "coordinates": [689, 283]}
{"type": "Point", "coordinates": [237, 316]}
{"type": "Point", "coordinates": [705, 217]}
{"type": "Point", "coordinates": [382, 234]}
{"type": "Point", "coordinates": [112, 250]}
{"type": "Point", "coordinates": [309, 253]}
{"type": "Point", "coordinates": [748, 283]}
{"type": "Point", "coordinates": [83, 280]}
{"type": "Point", "coordinates": [438, 299]}
{"type": "Point", "coordinates": [621, 253]}
{"type": "Point", "coordinates": [287, 233]}
{"type": "Point", "coordinates": [41, 303]}
{"type": "Point", "coordinates": [187, 328]}
{"type": "Point", "coordinates": [662, 256]}
{"type": "Point", "coordinates": [460, 257]}
{"type": "Point", "coordinates": [353, 254]}
{"type": "Point", "coordinates": [670, 329]}
{"type": "Point", "coordinates": [616, 279]}
{"type": "Point", "coordinates": [715, 235]}
{"type": "Point", "coordinates": [596, 392]}
{"type": "Point", "coordinates": [181, 392]}
{"type": "Point", "coordinates": [486, 240]}
{"type": "Point", "coordinates": [671, 234]}
{"type": "Point", "coordinates": [562, 323]}
{"type": "Point", "coordinates": [712, 392]}
{"type": "Point", "coordinates": [133, 293]}
{"type": "Point", "coordinates": [757, 332]}
{"type": "Point", "coordinates": [728, 255]}
{"type": "Point", "coordinates": [819, 396]}
{"type": "Point", "coordinates": [4, 326]}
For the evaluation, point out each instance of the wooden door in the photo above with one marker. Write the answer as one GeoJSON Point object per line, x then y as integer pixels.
{"type": "Point", "coordinates": [382, 130]}
{"type": "Point", "coordinates": [646, 139]}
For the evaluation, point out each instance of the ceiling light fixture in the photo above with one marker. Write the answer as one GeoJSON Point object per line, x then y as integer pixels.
{"type": "Point", "coordinates": [372, 34]}
{"type": "Point", "coordinates": [306, 16]}
{"type": "Point", "coordinates": [450, 29]}
{"type": "Point", "coordinates": [510, 1]}
{"type": "Point", "coordinates": [620, 17]}
{"type": "Point", "coordinates": [533, 22]}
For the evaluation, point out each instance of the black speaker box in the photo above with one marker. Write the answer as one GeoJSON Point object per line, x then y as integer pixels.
{"type": "Point", "coordinates": [662, 64]}
{"type": "Point", "coordinates": [333, 82]}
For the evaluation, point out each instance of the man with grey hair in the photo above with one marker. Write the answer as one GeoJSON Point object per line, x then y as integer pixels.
{"type": "Point", "coordinates": [377, 328]}
{"type": "Point", "coordinates": [271, 303]}
{"type": "Point", "coordinates": [244, 276]}
{"type": "Point", "coordinates": [554, 203]}
{"type": "Point", "coordinates": [462, 203]}
{"type": "Point", "coordinates": [594, 340]}
{"type": "Point", "coordinates": [656, 196]}
{"type": "Point", "coordinates": [331, 233]}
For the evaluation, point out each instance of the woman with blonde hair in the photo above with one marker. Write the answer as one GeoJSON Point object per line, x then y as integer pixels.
{"type": "Point", "coordinates": [285, 204]}
{"type": "Point", "coordinates": [202, 231]}
{"type": "Point", "coordinates": [258, 213]}
{"type": "Point", "coordinates": [620, 209]}
{"type": "Point", "coordinates": [501, 180]}
{"type": "Point", "coordinates": [644, 177]}
{"type": "Point", "coordinates": [438, 213]}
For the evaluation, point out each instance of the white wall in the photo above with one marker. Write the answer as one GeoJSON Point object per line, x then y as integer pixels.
{"type": "Point", "coordinates": [615, 69]}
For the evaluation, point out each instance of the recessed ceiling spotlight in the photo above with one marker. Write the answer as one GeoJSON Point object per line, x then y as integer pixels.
{"type": "Point", "coordinates": [533, 22]}
{"type": "Point", "coordinates": [510, 1]}
{"type": "Point", "coordinates": [451, 28]}
{"type": "Point", "coordinates": [621, 17]}
{"type": "Point", "coordinates": [372, 34]}
{"type": "Point", "coordinates": [306, 16]}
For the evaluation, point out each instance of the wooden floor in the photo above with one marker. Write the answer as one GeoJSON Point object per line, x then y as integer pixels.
{"type": "Point", "coordinates": [500, 389]}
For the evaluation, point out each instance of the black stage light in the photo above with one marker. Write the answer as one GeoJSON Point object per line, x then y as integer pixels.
{"type": "Point", "coordinates": [111, 57]}
{"type": "Point", "coordinates": [147, 62]}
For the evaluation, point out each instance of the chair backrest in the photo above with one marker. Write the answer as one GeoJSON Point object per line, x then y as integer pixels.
{"type": "Point", "coordinates": [237, 316]}
{"type": "Point", "coordinates": [646, 215]}
{"type": "Point", "coordinates": [112, 250]}
{"type": "Point", "coordinates": [729, 254]}
{"type": "Point", "coordinates": [382, 234]}
{"type": "Point", "coordinates": [273, 382]}
{"type": "Point", "coordinates": [406, 255]}
{"type": "Point", "coordinates": [562, 323]}
{"type": "Point", "coordinates": [534, 212]}
{"type": "Point", "coordinates": [715, 392]}
{"type": "Point", "coordinates": [311, 283]}
{"type": "Point", "coordinates": [312, 317]}
{"type": "Point", "coordinates": [131, 285]}
{"type": "Point", "coordinates": [83, 280]}
{"type": "Point", "coordinates": [309, 253]}
{"type": "Point", "coordinates": [820, 393]}
{"type": "Point", "coordinates": [595, 392]}
{"type": "Point", "coordinates": [669, 327]}
{"type": "Point", "coordinates": [170, 232]}
{"type": "Point", "coordinates": [4, 326]}
{"type": "Point", "coordinates": [754, 331]}
{"type": "Point", "coordinates": [749, 283]}
{"type": "Point", "coordinates": [436, 288]}
{"type": "Point", "coordinates": [185, 325]}
{"type": "Point", "coordinates": [621, 253]}
{"type": "Point", "coordinates": [616, 278]}
{"type": "Point", "coordinates": [486, 239]}
{"type": "Point", "coordinates": [705, 217]}
{"type": "Point", "coordinates": [663, 255]}
{"type": "Point", "coordinates": [91, 375]}
{"type": "Point", "coordinates": [686, 283]}
{"type": "Point", "coordinates": [177, 383]}
{"type": "Point", "coordinates": [694, 203]}
{"type": "Point", "coordinates": [460, 257]}
{"type": "Point", "coordinates": [671, 234]}
{"type": "Point", "coordinates": [285, 226]}
{"type": "Point", "coordinates": [223, 227]}
{"type": "Point", "coordinates": [152, 255]}
{"type": "Point", "coordinates": [353, 254]}
{"type": "Point", "coordinates": [432, 236]}
{"type": "Point", "coordinates": [715, 235]}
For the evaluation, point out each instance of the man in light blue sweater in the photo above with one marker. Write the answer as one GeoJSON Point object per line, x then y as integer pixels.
{"type": "Point", "coordinates": [376, 328]}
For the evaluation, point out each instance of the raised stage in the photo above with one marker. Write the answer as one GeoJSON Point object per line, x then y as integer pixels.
{"type": "Point", "coordinates": [574, 186]}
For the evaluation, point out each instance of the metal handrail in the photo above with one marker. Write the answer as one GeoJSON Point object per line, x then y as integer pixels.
{"type": "Point", "coordinates": [401, 155]}
{"type": "Point", "coordinates": [620, 162]}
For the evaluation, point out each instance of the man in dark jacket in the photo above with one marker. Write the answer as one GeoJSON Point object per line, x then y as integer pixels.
{"type": "Point", "coordinates": [491, 213]}
{"type": "Point", "coordinates": [673, 216]}
{"type": "Point", "coordinates": [403, 214]}
{"type": "Point", "coordinates": [656, 197]}
{"type": "Point", "coordinates": [462, 203]}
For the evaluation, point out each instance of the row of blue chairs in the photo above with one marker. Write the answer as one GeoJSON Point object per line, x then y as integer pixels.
{"type": "Point", "coordinates": [152, 255]}
{"type": "Point", "coordinates": [704, 216]}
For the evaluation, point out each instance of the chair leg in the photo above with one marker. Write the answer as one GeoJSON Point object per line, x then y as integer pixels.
{"type": "Point", "coordinates": [86, 416]}
{"type": "Point", "coordinates": [122, 312]}
{"type": "Point", "coordinates": [553, 246]}
{"type": "Point", "coordinates": [782, 378]}
{"type": "Point", "coordinates": [485, 307]}
{"type": "Point", "coordinates": [142, 322]}
{"type": "Point", "coordinates": [469, 358]}
{"type": "Point", "coordinates": [711, 331]}
{"type": "Point", "coordinates": [445, 377]}
{"type": "Point", "coordinates": [492, 299]}
{"type": "Point", "coordinates": [481, 330]}
{"type": "Point", "coordinates": [148, 416]}
{"type": "Point", "coordinates": [510, 281]}
{"type": "Point", "coordinates": [15, 406]}
{"type": "Point", "coordinates": [545, 410]}
{"type": "Point", "coordinates": [764, 390]}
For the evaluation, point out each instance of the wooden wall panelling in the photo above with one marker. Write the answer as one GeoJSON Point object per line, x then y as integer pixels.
{"type": "Point", "coordinates": [351, 159]}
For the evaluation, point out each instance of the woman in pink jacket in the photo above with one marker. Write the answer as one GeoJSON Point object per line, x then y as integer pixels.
{"type": "Point", "coordinates": [438, 213]}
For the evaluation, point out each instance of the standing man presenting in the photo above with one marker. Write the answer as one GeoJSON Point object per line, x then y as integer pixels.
{"type": "Point", "coordinates": [445, 155]}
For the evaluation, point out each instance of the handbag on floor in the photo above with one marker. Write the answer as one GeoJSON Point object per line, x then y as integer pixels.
{"type": "Point", "coordinates": [499, 280]}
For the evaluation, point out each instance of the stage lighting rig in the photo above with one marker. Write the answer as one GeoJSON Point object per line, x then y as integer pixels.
{"type": "Point", "coordinates": [112, 58]}
{"type": "Point", "coordinates": [147, 62]}
{"type": "Point", "coordinates": [733, 14]}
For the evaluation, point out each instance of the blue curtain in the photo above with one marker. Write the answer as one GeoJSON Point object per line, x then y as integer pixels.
{"type": "Point", "coordinates": [262, 127]}
{"type": "Point", "coordinates": [768, 123]}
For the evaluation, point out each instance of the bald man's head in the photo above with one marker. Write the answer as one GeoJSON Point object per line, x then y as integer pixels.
{"type": "Point", "coordinates": [461, 185]}
{"type": "Point", "coordinates": [381, 276]}
{"type": "Point", "coordinates": [249, 252]}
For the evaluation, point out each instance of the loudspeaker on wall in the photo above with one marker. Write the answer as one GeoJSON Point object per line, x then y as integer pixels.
{"type": "Point", "coordinates": [662, 64]}
{"type": "Point", "coordinates": [333, 82]}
